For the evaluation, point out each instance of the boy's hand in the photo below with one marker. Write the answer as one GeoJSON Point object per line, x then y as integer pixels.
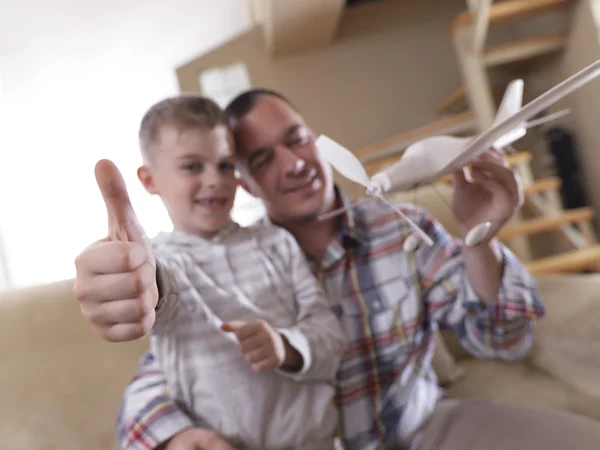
{"type": "Point", "coordinates": [116, 277]}
{"type": "Point", "coordinates": [263, 347]}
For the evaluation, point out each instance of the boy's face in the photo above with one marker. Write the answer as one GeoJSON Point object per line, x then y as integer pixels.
{"type": "Point", "coordinates": [193, 172]}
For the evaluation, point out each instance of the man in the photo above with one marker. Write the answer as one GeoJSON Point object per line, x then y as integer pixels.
{"type": "Point", "coordinates": [389, 302]}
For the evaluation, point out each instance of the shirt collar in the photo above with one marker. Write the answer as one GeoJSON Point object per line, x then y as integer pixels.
{"type": "Point", "coordinates": [347, 232]}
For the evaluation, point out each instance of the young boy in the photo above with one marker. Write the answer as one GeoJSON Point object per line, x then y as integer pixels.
{"type": "Point", "coordinates": [243, 332]}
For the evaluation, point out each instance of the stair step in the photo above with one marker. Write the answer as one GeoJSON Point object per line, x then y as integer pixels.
{"type": "Point", "coordinates": [548, 223]}
{"type": "Point", "coordinates": [453, 124]}
{"type": "Point", "coordinates": [523, 49]}
{"type": "Point", "coordinates": [568, 262]}
{"type": "Point", "coordinates": [511, 10]}
{"type": "Point", "coordinates": [543, 185]}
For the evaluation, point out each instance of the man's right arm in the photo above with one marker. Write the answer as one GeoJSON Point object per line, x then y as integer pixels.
{"type": "Point", "coordinates": [149, 417]}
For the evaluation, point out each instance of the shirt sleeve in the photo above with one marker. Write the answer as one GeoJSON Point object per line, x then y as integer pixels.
{"type": "Point", "coordinates": [148, 416]}
{"type": "Point", "coordinates": [167, 307]}
{"type": "Point", "coordinates": [317, 334]}
{"type": "Point", "coordinates": [503, 330]}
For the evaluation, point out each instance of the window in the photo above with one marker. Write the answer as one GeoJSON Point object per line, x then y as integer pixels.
{"type": "Point", "coordinates": [3, 268]}
{"type": "Point", "coordinates": [222, 84]}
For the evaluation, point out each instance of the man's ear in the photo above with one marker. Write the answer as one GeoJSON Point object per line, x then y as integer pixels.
{"type": "Point", "coordinates": [145, 176]}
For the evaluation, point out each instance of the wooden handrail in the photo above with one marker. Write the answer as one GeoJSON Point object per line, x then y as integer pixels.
{"type": "Point", "coordinates": [569, 262]}
{"type": "Point", "coordinates": [459, 94]}
{"type": "Point", "coordinates": [453, 98]}
{"type": "Point", "coordinates": [510, 10]}
{"type": "Point", "coordinates": [457, 123]}
{"type": "Point", "coordinates": [540, 224]}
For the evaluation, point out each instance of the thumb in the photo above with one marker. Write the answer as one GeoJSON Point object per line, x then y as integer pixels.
{"type": "Point", "coordinates": [460, 177]}
{"type": "Point", "coordinates": [233, 326]}
{"type": "Point", "coordinates": [123, 224]}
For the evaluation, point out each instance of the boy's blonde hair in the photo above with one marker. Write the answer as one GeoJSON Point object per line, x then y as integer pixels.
{"type": "Point", "coordinates": [181, 112]}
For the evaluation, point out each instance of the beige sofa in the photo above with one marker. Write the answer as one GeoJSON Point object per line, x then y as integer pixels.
{"type": "Point", "coordinates": [61, 385]}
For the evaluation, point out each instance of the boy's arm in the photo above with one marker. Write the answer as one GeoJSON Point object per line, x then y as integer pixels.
{"type": "Point", "coordinates": [488, 328]}
{"type": "Point", "coordinates": [317, 335]}
{"type": "Point", "coordinates": [167, 307]}
{"type": "Point", "coordinates": [148, 416]}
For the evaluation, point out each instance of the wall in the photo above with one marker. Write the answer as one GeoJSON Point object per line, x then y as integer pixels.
{"type": "Point", "coordinates": [389, 66]}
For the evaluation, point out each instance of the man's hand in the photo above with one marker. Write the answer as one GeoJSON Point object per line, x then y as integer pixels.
{"type": "Point", "coordinates": [116, 277]}
{"type": "Point", "coordinates": [197, 439]}
{"type": "Point", "coordinates": [493, 195]}
{"type": "Point", "coordinates": [263, 347]}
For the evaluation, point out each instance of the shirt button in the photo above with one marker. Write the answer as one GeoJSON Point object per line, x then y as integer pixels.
{"type": "Point", "coordinates": [377, 304]}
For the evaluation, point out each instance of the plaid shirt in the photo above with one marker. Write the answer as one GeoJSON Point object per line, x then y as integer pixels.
{"type": "Point", "coordinates": [390, 304]}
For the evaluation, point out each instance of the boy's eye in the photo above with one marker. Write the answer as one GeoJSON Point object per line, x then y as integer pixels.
{"type": "Point", "coordinates": [193, 167]}
{"type": "Point", "coordinates": [227, 166]}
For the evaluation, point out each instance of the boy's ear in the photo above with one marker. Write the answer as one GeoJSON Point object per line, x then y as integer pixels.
{"type": "Point", "coordinates": [145, 176]}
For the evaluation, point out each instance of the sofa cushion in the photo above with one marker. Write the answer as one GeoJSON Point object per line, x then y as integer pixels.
{"type": "Point", "coordinates": [60, 384]}
{"type": "Point", "coordinates": [572, 303]}
{"type": "Point", "coordinates": [567, 344]}
{"type": "Point", "coordinates": [520, 384]}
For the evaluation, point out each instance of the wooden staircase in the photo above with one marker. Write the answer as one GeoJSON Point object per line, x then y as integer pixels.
{"type": "Point", "coordinates": [469, 33]}
{"type": "Point", "coordinates": [479, 100]}
{"type": "Point", "coordinates": [476, 59]}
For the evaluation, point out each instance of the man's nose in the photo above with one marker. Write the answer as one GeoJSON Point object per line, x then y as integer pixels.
{"type": "Point", "coordinates": [290, 162]}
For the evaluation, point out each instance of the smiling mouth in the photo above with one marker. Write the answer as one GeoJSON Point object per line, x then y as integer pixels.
{"type": "Point", "coordinates": [309, 183]}
{"type": "Point", "coordinates": [212, 202]}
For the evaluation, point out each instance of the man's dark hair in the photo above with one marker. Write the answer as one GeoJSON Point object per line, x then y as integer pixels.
{"type": "Point", "coordinates": [245, 102]}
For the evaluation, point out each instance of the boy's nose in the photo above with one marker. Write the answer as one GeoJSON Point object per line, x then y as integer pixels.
{"type": "Point", "coordinates": [212, 177]}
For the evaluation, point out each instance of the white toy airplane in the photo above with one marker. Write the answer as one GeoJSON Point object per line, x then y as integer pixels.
{"type": "Point", "coordinates": [427, 160]}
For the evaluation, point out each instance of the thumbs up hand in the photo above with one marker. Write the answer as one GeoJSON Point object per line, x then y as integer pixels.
{"type": "Point", "coordinates": [116, 276]}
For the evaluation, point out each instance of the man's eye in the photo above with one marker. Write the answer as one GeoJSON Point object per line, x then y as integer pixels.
{"type": "Point", "coordinates": [298, 140]}
{"type": "Point", "coordinates": [261, 160]}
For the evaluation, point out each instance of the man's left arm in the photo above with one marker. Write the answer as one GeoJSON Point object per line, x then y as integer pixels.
{"type": "Point", "coordinates": [483, 293]}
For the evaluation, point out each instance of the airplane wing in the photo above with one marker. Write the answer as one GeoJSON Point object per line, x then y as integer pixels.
{"type": "Point", "coordinates": [485, 141]}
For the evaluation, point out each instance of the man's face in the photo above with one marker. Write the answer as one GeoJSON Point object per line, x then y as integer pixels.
{"type": "Point", "coordinates": [283, 167]}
